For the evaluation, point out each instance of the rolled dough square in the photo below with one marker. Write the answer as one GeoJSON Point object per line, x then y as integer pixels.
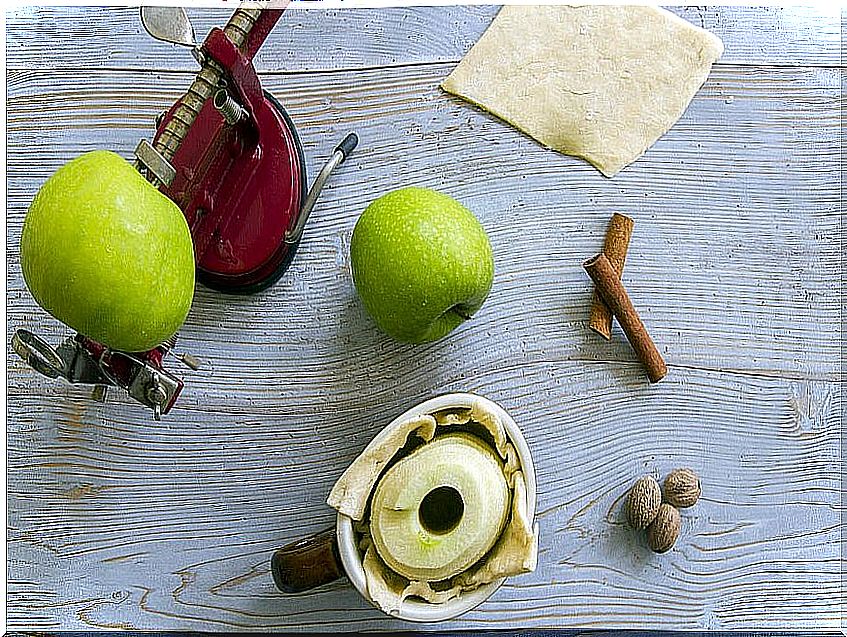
{"type": "Point", "coordinates": [602, 82]}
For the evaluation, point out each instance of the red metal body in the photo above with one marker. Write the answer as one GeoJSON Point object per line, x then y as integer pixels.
{"type": "Point", "coordinates": [118, 365]}
{"type": "Point", "coordinates": [241, 186]}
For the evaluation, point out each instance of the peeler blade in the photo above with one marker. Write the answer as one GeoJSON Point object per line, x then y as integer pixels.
{"type": "Point", "coordinates": [170, 24]}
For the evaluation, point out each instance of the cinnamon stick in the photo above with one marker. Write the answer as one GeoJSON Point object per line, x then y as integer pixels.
{"type": "Point", "coordinates": [614, 247]}
{"type": "Point", "coordinates": [614, 294]}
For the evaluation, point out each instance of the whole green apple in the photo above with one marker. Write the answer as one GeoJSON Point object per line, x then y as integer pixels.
{"type": "Point", "coordinates": [109, 255]}
{"type": "Point", "coordinates": [421, 262]}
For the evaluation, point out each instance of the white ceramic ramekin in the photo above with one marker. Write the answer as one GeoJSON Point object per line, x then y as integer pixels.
{"type": "Point", "coordinates": [422, 611]}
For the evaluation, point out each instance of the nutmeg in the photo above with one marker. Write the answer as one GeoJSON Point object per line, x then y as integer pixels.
{"type": "Point", "coordinates": [664, 529]}
{"type": "Point", "coordinates": [643, 502]}
{"type": "Point", "coordinates": [682, 488]}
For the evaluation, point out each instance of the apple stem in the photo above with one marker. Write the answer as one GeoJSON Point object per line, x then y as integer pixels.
{"type": "Point", "coordinates": [461, 312]}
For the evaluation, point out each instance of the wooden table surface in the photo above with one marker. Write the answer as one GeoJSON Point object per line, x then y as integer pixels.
{"type": "Point", "coordinates": [117, 521]}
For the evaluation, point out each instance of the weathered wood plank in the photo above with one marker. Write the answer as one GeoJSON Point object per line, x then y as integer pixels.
{"type": "Point", "coordinates": [116, 521]}
{"type": "Point", "coordinates": [171, 525]}
{"type": "Point", "coordinates": [325, 39]}
{"type": "Point", "coordinates": [736, 208]}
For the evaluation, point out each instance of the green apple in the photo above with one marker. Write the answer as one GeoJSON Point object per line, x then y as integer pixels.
{"type": "Point", "coordinates": [421, 262]}
{"type": "Point", "coordinates": [109, 255]}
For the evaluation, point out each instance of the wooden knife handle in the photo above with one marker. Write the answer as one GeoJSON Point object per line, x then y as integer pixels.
{"type": "Point", "coordinates": [307, 563]}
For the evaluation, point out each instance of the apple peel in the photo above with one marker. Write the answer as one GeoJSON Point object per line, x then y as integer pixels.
{"type": "Point", "coordinates": [452, 417]}
{"type": "Point", "coordinates": [515, 552]}
{"type": "Point", "coordinates": [388, 590]}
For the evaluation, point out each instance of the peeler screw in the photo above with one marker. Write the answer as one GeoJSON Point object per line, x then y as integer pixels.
{"type": "Point", "coordinates": [157, 396]}
{"type": "Point", "coordinates": [232, 111]}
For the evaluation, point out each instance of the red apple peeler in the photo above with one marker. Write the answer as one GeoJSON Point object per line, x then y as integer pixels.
{"type": "Point", "coordinates": [229, 156]}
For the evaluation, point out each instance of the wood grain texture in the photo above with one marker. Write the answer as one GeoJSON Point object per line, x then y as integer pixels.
{"type": "Point", "coordinates": [730, 265]}
{"type": "Point", "coordinates": [173, 524]}
{"type": "Point", "coordinates": [329, 39]}
{"type": "Point", "coordinates": [117, 521]}
{"type": "Point", "coordinates": [226, 490]}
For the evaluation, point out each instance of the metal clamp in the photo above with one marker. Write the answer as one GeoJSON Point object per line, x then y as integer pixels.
{"type": "Point", "coordinates": [151, 387]}
{"type": "Point", "coordinates": [154, 162]}
{"type": "Point", "coordinates": [38, 354]}
{"type": "Point", "coordinates": [80, 361]}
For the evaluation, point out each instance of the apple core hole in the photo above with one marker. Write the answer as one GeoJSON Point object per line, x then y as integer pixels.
{"type": "Point", "coordinates": [441, 510]}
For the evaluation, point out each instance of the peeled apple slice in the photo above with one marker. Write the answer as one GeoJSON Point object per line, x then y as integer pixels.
{"type": "Point", "coordinates": [440, 509]}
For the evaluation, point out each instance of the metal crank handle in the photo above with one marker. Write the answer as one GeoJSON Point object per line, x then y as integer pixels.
{"type": "Point", "coordinates": [307, 563]}
{"type": "Point", "coordinates": [38, 354]}
{"type": "Point", "coordinates": [342, 152]}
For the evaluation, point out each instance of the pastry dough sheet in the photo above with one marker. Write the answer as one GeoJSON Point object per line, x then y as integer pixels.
{"type": "Point", "coordinates": [601, 82]}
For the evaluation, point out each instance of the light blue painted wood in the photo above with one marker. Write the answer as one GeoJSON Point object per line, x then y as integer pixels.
{"type": "Point", "coordinates": [118, 521]}
{"type": "Point", "coordinates": [313, 39]}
